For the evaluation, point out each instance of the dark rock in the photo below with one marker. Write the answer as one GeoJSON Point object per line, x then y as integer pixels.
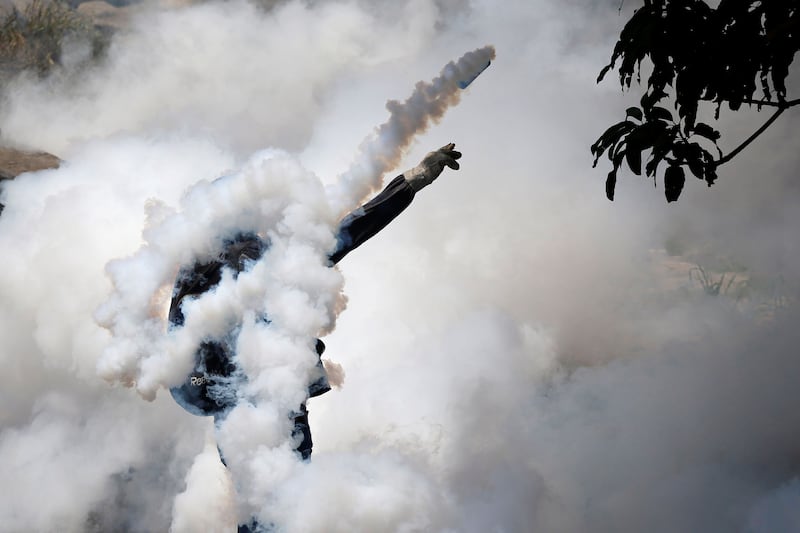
{"type": "Point", "coordinates": [14, 162]}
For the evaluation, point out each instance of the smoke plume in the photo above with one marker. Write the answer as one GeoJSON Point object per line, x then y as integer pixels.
{"type": "Point", "coordinates": [383, 150]}
{"type": "Point", "coordinates": [521, 354]}
{"type": "Point", "coordinates": [273, 196]}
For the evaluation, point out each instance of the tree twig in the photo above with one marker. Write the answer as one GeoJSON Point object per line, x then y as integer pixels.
{"type": "Point", "coordinates": [788, 103]}
{"type": "Point", "coordinates": [752, 138]}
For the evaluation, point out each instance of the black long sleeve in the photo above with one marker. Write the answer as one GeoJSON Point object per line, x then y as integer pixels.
{"type": "Point", "coordinates": [363, 223]}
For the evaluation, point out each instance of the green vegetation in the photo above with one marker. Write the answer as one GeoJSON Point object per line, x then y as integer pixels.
{"type": "Point", "coordinates": [33, 39]}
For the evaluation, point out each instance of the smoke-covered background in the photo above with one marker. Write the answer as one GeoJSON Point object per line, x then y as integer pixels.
{"type": "Point", "coordinates": [519, 353]}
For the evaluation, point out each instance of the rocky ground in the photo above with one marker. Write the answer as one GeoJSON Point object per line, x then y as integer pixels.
{"type": "Point", "coordinates": [14, 162]}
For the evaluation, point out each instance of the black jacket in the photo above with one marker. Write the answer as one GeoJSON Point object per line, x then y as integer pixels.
{"type": "Point", "coordinates": [211, 387]}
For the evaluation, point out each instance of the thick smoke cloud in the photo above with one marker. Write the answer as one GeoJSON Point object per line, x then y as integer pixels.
{"type": "Point", "coordinates": [520, 354]}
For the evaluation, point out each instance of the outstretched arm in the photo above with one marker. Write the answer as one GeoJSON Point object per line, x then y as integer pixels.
{"type": "Point", "coordinates": [363, 223]}
{"type": "Point", "coordinates": [431, 166]}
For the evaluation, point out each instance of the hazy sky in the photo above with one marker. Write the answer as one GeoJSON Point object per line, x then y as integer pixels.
{"type": "Point", "coordinates": [520, 354]}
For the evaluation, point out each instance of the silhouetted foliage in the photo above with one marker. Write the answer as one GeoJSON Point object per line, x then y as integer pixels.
{"type": "Point", "coordinates": [737, 53]}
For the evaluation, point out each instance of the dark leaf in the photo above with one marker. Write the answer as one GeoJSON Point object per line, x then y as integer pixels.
{"type": "Point", "coordinates": [779, 73]}
{"type": "Point", "coordinates": [681, 151]}
{"type": "Point", "coordinates": [634, 112]}
{"type": "Point", "coordinates": [611, 135]}
{"type": "Point", "coordinates": [704, 130]}
{"type": "Point", "coordinates": [611, 182]}
{"type": "Point", "coordinates": [645, 135]}
{"type": "Point", "coordinates": [604, 72]}
{"type": "Point", "coordinates": [693, 154]}
{"type": "Point", "coordinates": [765, 85]}
{"type": "Point", "coordinates": [674, 178]}
{"type": "Point", "coordinates": [660, 113]}
{"type": "Point", "coordinates": [633, 44]}
{"type": "Point", "coordinates": [650, 98]}
{"type": "Point", "coordinates": [661, 147]}
{"type": "Point", "coordinates": [640, 139]}
{"type": "Point", "coordinates": [633, 155]}
{"type": "Point", "coordinates": [697, 167]}
{"type": "Point", "coordinates": [711, 173]}
{"type": "Point", "coordinates": [619, 154]}
{"type": "Point", "coordinates": [610, 138]}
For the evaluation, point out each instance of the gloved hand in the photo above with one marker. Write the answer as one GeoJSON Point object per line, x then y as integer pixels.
{"type": "Point", "coordinates": [431, 166]}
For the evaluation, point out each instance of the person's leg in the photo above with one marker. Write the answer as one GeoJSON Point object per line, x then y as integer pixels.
{"type": "Point", "coordinates": [302, 430]}
{"type": "Point", "coordinates": [254, 527]}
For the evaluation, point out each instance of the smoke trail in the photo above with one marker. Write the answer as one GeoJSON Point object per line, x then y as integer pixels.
{"type": "Point", "coordinates": [140, 353]}
{"type": "Point", "coordinates": [382, 151]}
{"type": "Point", "coordinates": [291, 284]}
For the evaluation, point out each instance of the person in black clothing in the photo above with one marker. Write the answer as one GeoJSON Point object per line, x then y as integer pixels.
{"type": "Point", "coordinates": [211, 388]}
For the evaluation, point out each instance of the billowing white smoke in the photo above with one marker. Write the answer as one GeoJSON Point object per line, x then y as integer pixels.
{"type": "Point", "coordinates": [273, 196]}
{"type": "Point", "coordinates": [383, 151]}
{"type": "Point", "coordinates": [516, 358]}
{"type": "Point", "coordinates": [276, 198]}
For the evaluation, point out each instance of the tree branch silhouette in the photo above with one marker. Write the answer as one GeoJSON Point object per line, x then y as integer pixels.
{"type": "Point", "coordinates": [752, 138]}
